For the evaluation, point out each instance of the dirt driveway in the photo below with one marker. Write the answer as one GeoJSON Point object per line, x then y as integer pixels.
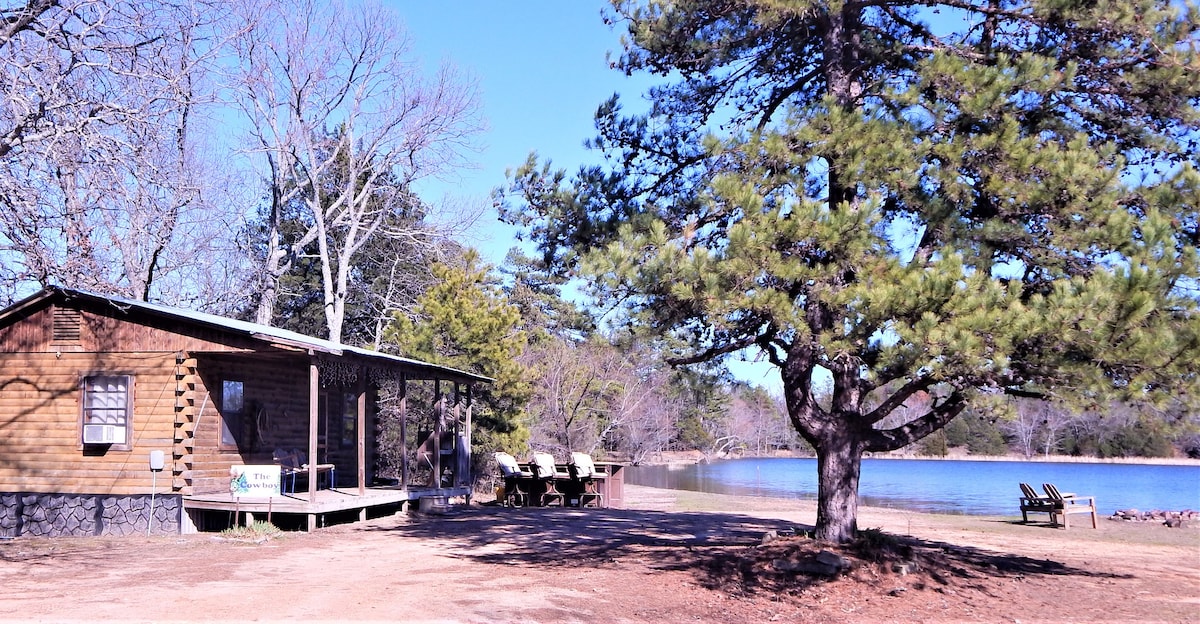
{"type": "Point", "coordinates": [672, 557]}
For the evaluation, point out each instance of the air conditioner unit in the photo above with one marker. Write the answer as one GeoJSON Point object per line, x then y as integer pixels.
{"type": "Point", "coordinates": [103, 434]}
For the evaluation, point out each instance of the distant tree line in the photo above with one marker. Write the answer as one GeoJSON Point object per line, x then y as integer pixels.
{"type": "Point", "coordinates": [1041, 429]}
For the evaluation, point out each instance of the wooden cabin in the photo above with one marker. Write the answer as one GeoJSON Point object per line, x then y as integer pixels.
{"type": "Point", "coordinates": [121, 417]}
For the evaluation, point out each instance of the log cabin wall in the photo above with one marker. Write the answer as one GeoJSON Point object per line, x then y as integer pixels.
{"type": "Point", "coordinates": [41, 449]}
{"type": "Point", "coordinates": [57, 329]}
{"type": "Point", "coordinates": [178, 375]}
{"type": "Point", "coordinates": [274, 415]}
{"type": "Point", "coordinates": [44, 356]}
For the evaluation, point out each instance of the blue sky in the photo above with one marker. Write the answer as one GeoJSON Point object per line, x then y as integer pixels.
{"type": "Point", "coordinates": [542, 70]}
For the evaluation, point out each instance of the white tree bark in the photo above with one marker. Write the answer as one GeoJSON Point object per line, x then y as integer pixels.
{"type": "Point", "coordinates": [346, 123]}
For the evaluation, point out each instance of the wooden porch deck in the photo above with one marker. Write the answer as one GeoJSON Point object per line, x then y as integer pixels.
{"type": "Point", "coordinates": [325, 502]}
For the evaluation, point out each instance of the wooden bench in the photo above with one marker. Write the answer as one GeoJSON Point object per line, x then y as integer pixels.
{"type": "Point", "coordinates": [1056, 504]}
{"type": "Point", "coordinates": [1031, 502]}
{"type": "Point", "coordinates": [1067, 504]}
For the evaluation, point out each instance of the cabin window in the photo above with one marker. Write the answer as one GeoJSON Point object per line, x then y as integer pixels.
{"type": "Point", "coordinates": [232, 411]}
{"type": "Point", "coordinates": [349, 418]}
{"type": "Point", "coordinates": [108, 410]}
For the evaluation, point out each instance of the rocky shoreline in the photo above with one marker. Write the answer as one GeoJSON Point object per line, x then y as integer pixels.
{"type": "Point", "coordinates": [1173, 519]}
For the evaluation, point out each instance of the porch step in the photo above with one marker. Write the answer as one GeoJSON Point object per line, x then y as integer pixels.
{"type": "Point", "coordinates": [436, 505]}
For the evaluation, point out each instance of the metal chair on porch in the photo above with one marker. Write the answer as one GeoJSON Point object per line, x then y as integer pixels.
{"type": "Point", "coordinates": [295, 462]}
{"type": "Point", "coordinates": [287, 470]}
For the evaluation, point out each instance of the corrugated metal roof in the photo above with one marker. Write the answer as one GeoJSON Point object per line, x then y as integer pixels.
{"type": "Point", "coordinates": [265, 333]}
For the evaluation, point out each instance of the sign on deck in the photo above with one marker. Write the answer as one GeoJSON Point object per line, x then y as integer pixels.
{"type": "Point", "coordinates": [254, 481]}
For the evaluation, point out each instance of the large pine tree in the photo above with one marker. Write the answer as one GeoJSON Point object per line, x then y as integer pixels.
{"type": "Point", "coordinates": [957, 200]}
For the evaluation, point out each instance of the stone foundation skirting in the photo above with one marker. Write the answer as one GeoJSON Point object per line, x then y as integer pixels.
{"type": "Point", "coordinates": [53, 515]}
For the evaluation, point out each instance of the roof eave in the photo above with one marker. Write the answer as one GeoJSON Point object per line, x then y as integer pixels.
{"type": "Point", "coordinates": [313, 345]}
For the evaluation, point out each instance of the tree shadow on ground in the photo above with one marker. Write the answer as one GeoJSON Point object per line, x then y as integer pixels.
{"type": "Point", "coordinates": [723, 551]}
{"type": "Point", "coordinates": [551, 536]}
{"type": "Point", "coordinates": [87, 554]}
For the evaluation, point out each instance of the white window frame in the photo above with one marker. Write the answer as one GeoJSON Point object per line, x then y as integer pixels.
{"type": "Point", "coordinates": [107, 399]}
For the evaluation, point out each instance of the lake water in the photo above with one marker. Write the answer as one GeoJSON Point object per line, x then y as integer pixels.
{"type": "Point", "coordinates": [987, 488]}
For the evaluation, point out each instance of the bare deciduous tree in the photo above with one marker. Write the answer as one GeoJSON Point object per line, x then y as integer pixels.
{"type": "Point", "coordinates": [759, 420]}
{"type": "Point", "coordinates": [648, 431]}
{"type": "Point", "coordinates": [590, 393]}
{"type": "Point", "coordinates": [98, 167]}
{"type": "Point", "coordinates": [1024, 425]}
{"type": "Point", "coordinates": [1038, 426]}
{"type": "Point", "coordinates": [636, 403]}
{"type": "Point", "coordinates": [575, 385]}
{"type": "Point", "coordinates": [345, 122]}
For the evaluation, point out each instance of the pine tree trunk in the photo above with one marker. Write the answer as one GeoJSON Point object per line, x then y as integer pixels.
{"type": "Point", "coordinates": [839, 461]}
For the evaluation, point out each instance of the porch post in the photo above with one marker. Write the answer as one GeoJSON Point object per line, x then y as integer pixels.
{"type": "Point", "coordinates": [467, 433]}
{"type": "Point", "coordinates": [439, 415]}
{"type": "Point", "coordinates": [455, 432]}
{"type": "Point", "coordinates": [314, 384]}
{"type": "Point", "coordinates": [404, 430]}
{"type": "Point", "coordinates": [362, 430]}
